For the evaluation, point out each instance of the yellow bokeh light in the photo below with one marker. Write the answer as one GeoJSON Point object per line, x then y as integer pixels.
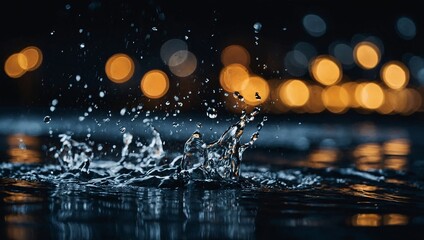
{"type": "Point", "coordinates": [15, 65]}
{"type": "Point", "coordinates": [234, 77]}
{"type": "Point", "coordinates": [371, 95]}
{"type": "Point", "coordinates": [33, 56]}
{"type": "Point", "coordinates": [235, 54]}
{"type": "Point", "coordinates": [119, 68]}
{"type": "Point", "coordinates": [335, 99]}
{"type": "Point", "coordinates": [315, 104]}
{"type": "Point", "coordinates": [395, 74]}
{"type": "Point", "coordinates": [256, 91]}
{"type": "Point", "coordinates": [366, 55]}
{"type": "Point", "coordinates": [326, 70]}
{"type": "Point", "coordinates": [154, 84]}
{"type": "Point", "coordinates": [294, 93]}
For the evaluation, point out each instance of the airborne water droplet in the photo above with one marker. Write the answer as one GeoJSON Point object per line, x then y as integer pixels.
{"type": "Point", "coordinates": [211, 112]}
{"type": "Point", "coordinates": [257, 26]}
{"type": "Point", "coordinates": [122, 129]}
{"type": "Point", "coordinates": [47, 119]}
{"type": "Point", "coordinates": [257, 96]}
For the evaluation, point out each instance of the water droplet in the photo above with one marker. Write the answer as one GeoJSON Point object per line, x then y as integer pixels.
{"type": "Point", "coordinates": [211, 112]}
{"type": "Point", "coordinates": [68, 6]}
{"type": "Point", "coordinates": [167, 103]}
{"type": "Point", "coordinates": [78, 78]}
{"type": "Point", "coordinates": [123, 111]}
{"type": "Point", "coordinates": [81, 118]}
{"type": "Point", "coordinates": [55, 102]}
{"type": "Point", "coordinates": [82, 45]}
{"type": "Point", "coordinates": [47, 119]}
{"type": "Point", "coordinates": [52, 108]}
{"type": "Point", "coordinates": [154, 29]}
{"type": "Point", "coordinates": [199, 125]}
{"type": "Point", "coordinates": [257, 96]}
{"type": "Point", "coordinates": [257, 26]}
{"type": "Point", "coordinates": [101, 94]}
{"type": "Point", "coordinates": [122, 129]}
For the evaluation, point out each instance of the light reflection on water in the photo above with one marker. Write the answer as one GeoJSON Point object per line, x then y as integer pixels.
{"type": "Point", "coordinates": [23, 149]}
{"type": "Point", "coordinates": [376, 220]}
{"type": "Point", "coordinates": [72, 210]}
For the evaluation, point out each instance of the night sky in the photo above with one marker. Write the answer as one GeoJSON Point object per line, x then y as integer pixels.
{"type": "Point", "coordinates": [139, 28]}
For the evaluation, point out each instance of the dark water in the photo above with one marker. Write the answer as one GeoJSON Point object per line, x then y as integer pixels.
{"type": "Point", "coordinates": [316, 186]}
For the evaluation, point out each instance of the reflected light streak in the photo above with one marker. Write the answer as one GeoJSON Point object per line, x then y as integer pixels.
{"type": "Point", "coordinates": [376, 220]}
{"type": "Point", "coordinates": [23, 149]}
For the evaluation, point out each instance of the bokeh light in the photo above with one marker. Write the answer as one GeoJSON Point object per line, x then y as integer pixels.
{"type": "Point", "coordinates": [395, 74]}
{"type": "Point", "coordinates": [170, 47]}
{"type": "Point", "coordinates": [326, 70]}
{"type": "Point", "coordinates": [314, 25]}
{"type": "Point", "coordinates": [234, 77]}
{"type": "Point", "coordinates": [335, 99]}
{"type": "Point", "coordinates": [33, 56]}
{"type": "Point", "coordinates": [235, 54]}
{"type": "Point", "coordinates": [182, 63]}
{"type": "Point", "coordinates": [296, 63]}
{"type": "Point", "coordinates": [370, 95]}
{"type": "Point", "coordinates": [256, 91]}
{"type": "Point", "coordinates": [16, 65]}
{"type": "Point", "coordinates": [406, 28]}
{"type": "Point", "coordinates": [119, 68]}
{"type": "Point", "coordinates": [294, 93]}
{"type": "Point", "coordinates": [154, 84]}
{"type": "Point", "coordinates": [344, 53]}
{"type": "Point", "coordinates": [366, 55]}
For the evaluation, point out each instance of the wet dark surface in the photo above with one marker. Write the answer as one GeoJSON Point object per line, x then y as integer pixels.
{"type": "Point", "coordinates": [371, 188]}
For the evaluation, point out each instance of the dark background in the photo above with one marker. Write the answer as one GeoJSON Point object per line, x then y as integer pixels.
{"type": "Point", "coordinates": [115, 26]}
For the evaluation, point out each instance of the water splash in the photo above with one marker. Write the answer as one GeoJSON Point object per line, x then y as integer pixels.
{"type": "Point", "coordinates": [74, 155]}
{"type": "Point", "coordinates": [150, 164]}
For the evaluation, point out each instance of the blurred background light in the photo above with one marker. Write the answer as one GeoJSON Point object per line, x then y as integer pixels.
{"type": "Point", "coordinates": [344, 53]}
{"type": "Point", "coordinates": [335, 99]}
{"type": "Point", "coordinates": [119, 68]}
{"type": "Point", "coordinates": [33, 56]}
{"type": "Point", "coordinates": [235, 54]}
{"type": "Point", "coordinates": [314, 25]}
{"type": "Point", "coordinates": [182, 63]}
{"type": "Point", "coordinates": [366, 55]}
{"type": "Point", "coordinates": [296, 63]}
{"type": "Point", "coordinates": [326, 70]}
{"type": "Point", "coordinates": [234, 77]}
{"type": "Point", "coordinates": [395, 74]}
{"type": "Point", "coordinates": [406, 28]}
{"type": "Point", "coordinates": [16, 65]}
{"type": "Point", "coordinates": [170, 47]}
{"type": "Point", "coordinates": [154, 84]}
{"type": "Point", "coordinates": [256, 91]}
{"type": "Point", "coordinates": [294, 93]}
